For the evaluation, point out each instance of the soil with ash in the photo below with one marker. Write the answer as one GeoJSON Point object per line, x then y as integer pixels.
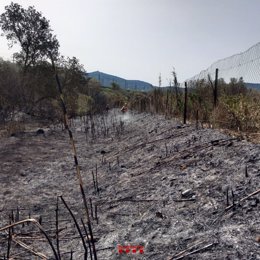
{"type": "Point", "coordinates": [162, 185]}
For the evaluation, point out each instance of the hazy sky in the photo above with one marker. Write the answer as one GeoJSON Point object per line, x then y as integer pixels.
{"type": "Point", "coordinates": [138, 39]}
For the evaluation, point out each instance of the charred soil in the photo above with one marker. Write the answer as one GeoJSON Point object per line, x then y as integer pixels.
{"type": "Point", "coordinates": [178, 191]}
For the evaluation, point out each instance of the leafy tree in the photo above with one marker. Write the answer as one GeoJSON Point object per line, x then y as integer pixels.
{"type": "Point", "coordinates": [73, 82]}
{"type": "Point", "coordinates": [9, 88]}
{"type": "Point", "coordinates": [72, 74]}
{"type": "Point", "coordinates": [115, 86]}
{"type": "Point", "coordinates": [32, 31]}
{"type": "Point", "coordinates": [29, 29]}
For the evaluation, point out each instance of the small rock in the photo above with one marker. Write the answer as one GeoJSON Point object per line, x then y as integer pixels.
{"type": "Point", "coordinates": [159, 214]}
{"type": "Point", "coordinates": [187, 193]}
{"type": "Point", "coordinates": [40, 132]}
{"type": "Point", "coordinates": [254, 203]}
{"type": "Point", "coordinates": [183, 167]}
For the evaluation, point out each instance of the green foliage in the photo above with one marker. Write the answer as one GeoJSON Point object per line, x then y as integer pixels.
{"type": "Point", "coordinates": [29, 84]}
{"type": "Point", "coordinates": [10, 93]}
{"type": "Point", "coordinates": [32, 80]}
{"type": "Point", "coordinates": [115, 86]}
{"type": "Point", "coordinates": [140, 101]}
{"type": "Point", "coordinates": [241, 111]}
{"type": "Point", "coordinates": [238, 107]}
{"type": "Point", "coordinates": [32, 31]}
{"type": "Point", "coordinates": [85, 104]}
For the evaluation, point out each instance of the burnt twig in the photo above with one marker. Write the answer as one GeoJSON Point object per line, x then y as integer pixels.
{"type": "Point", "coordinates": [88, 240]}
{"type": "Point", "coordinates": [76, 224]}
{"type": "Point", "coordinates": [28, 248]}
{"type": "Point", "coordinates": [243, 199]}
{"type": "Point", "coordinates": [192, 252]}
{"type": "Point", "coordinates": [36, 223]}
{"type": "Point", "coordinates": [57, 228]}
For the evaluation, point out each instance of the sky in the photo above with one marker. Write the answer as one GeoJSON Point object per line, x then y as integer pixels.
{"type": "Point", "coordinates": [141, 39]}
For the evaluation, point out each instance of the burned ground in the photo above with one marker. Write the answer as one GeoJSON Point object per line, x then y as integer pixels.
{"type": "Point", "coordinates": [162, 185]}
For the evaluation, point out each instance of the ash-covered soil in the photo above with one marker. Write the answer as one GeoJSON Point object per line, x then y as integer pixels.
{"type": "Point", "coordinates": [162, 185]}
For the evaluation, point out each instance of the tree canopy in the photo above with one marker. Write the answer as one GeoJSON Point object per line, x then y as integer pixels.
{"type": "Point", "coordinates": [32, 31]}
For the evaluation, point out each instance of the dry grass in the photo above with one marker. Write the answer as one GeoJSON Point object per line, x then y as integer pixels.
{"type": "Point", "coordinates": [10, 128]}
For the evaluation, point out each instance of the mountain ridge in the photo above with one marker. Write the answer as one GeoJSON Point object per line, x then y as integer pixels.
{"type": "Point", "coordinates": [106, 80]}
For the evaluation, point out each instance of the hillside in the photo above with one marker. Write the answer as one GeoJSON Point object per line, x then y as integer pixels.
{"type": "Point", "coordinates": [162, 185]}
{"type": "Point", "coordinates": [253, 85]}
{"type": "Point", "coordinates": [106, 80]}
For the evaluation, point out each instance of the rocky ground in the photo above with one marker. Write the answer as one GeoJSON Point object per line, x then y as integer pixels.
{"type": "Point", "coordinates": [178, 191]}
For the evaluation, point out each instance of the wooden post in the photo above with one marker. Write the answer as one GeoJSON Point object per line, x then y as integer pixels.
{"type": "Point", "coordinates": [185, 104]}
{"type": "Point", "coordinates": [216, 89]}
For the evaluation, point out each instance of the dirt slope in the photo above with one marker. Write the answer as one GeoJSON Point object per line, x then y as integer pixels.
{"type": "Point", "coordinates": [162, 185]}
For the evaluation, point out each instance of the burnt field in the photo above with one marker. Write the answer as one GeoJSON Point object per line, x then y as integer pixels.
{"type": "Point", "coordinates": [178, 191]}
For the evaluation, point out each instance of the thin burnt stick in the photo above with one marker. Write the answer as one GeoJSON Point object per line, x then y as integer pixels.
{"type": "Point", "coordinates": [92, 240]}
{"type": "Point", "coordinates": [36, 223]}
{"type": "Point", "coordinates": [97, 180]}
{"type": "Point", "coordinates": [243, 199]}
{"type": "Point", "coordinates": [12, 220]}
{"type": "Point", "coordinates": [9, 242]}
{"type": "Point", "coordinates": [17, 216]}
{"type": "Point", "coordinates": [91, 208]}
{"type": "Point", "coordinates": [233, 197]}
{"type": "Point", "coordinates": [57, 228]}
{"type": "Point", "coordinates": [40, 220]}
{"type": "Point", "coordinates": [246, 172]}
{"type": "Point", "coordinates": [227, 198]}
{"type": "Point", "coordinates": [89, 244]}
{"type": "Point", "coordinates": [186, 250]}
{"type": "Point", "coordinates": [28, 248]}
{"type": "Point", "coordinates": [94, 182]}
{"type": "Point", "coordinates": [65, 122]}
{"type": "Point", "coordinates": [195, 251]}
{"type": "Point", "coordinates": [76, 223]}
{"type": "Point", "coordinates": [12, 216]}
{"type": "Point", "coordinates": [89, 223]}
{"type": "Point", "coordinates": [250, 195]}
{"type": "Point", "coordinates": [96, 217]}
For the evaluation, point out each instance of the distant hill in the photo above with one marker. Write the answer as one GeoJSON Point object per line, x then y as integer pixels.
{"type": "Point", "coordinates": [253, 85]}
{"type": "Point", "coordinates": [106, 80]}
